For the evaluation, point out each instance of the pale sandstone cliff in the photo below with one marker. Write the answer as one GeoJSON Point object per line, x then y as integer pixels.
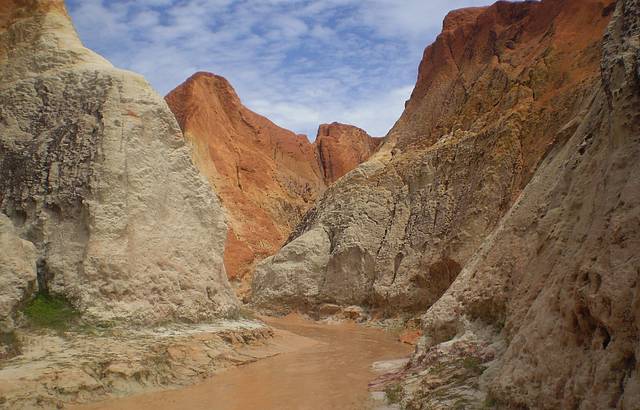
{"type": "Point", "coordinates": [495, 92]}
{"type": "Point", "coordinates": [17, 273]}
{"type": "Point", "coordinates": [95, 172]}
{"type": "Point", "coordinates": [267, 177]}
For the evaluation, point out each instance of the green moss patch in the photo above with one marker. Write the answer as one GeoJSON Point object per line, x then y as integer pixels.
{"type": "Point", "coordinates": [52, 312]}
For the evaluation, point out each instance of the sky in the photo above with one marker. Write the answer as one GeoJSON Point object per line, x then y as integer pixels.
{"type": "Point", "coordinates": [298, 62]}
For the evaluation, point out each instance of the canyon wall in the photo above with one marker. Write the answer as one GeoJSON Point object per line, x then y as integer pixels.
{"type": "Point", "coordinates": [267, 177]}
{"type": "Point", "coordinates": [95, 172]}
{"type": "Point", "coordinates": [549, 306]}
{"type": "Point", "coordinates": [499, 88]}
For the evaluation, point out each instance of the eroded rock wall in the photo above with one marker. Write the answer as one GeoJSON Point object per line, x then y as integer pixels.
{"type": "Point", "coordinates": [557, 283]}
{"type": "Point", "coordinates": [95, 172]}
{"type": "Point", "coordinates": [496, 91]}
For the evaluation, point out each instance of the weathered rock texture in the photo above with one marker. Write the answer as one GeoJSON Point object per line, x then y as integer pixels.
{"type": "Point", "coordinates": [17, 272]}
{"type": "Point", "coordinates": [499, 88]}
{"type": "Point", "coordinates": [95, 172]}
{"type": "Point", "coordinates": [559, 277]}
{"type": "Point", "coordinates": [267, 176]}
{"type": "Point", "coordinates": [341, 148]}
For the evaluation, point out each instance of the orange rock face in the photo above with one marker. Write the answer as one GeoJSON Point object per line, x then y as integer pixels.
{"type": "Point", "coordinates": [267, 176]}
{"type": "Point", "coordinates": [342, 147]}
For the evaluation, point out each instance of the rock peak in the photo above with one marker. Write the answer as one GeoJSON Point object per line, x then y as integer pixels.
{"type": "Point", "coordinates": [461, 17]}
{"type": "Point", "coordinates": [341, 147]}
{"type": "Point", "coordinates": [337, 129]}
{"type": "Point", "coordinates": [40, 31]}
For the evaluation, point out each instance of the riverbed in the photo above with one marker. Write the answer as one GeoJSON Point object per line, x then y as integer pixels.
{"type": "Point", "coordinates": [320, 366]}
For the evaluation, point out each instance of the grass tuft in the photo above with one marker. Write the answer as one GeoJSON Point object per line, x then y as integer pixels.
{"type": "Point", "coordinates": [490, 402]}
{"type": "Point", "coordinates": [51, 312]}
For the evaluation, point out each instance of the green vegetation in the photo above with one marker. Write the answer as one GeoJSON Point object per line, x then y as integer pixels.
{"type": "Point", "coordinates": [394, 393]}
{"type": "Point", "coordinates": [51, 312]}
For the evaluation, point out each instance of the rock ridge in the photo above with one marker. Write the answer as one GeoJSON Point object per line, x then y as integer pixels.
{"type": "Point", "coordinates": [548, 307]}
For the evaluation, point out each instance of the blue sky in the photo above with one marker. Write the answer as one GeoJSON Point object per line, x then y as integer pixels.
{"type": "Point", "coordinates": [298, 62]}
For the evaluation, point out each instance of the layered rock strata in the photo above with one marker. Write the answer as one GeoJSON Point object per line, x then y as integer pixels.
{"type": "Point", "coordinates": [95, 172]}
{"type": "Point", "coordinates": [267, 177]}
{"type": "Point", "coordinates": [497, 90]}
{"type": "Point", "coordinates": [550, 303]}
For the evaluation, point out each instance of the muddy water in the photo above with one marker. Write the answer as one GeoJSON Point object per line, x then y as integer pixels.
{"type": "Point", "coordinates": [321, 366]}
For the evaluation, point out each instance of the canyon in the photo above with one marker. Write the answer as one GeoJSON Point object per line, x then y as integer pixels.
{"type": "Point", "coordinates": [267, 177]}
{"type": "Point", "coordinates": [496, 91]}
{"type": "Point", "coordinates": [495, 228]}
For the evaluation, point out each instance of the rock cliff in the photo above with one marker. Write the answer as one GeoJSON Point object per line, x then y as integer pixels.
{"type": "Point", "coordinates": [267, 177]}
{"type": "Point", "coordinates": [95, 172]}
{"type": "Point", "coordinates": [499, 88]}
{"type": "Point", "coordinates": [549, 304]}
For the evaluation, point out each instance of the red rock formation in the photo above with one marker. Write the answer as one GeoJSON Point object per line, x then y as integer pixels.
{"type": "Point", "coordinates": [266, 176]}
{"type": "Point", "coordinates": [342, 147]}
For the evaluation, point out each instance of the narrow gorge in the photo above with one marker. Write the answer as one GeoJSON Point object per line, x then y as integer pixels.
{"type": "Point", "coordinates": [187, 252]}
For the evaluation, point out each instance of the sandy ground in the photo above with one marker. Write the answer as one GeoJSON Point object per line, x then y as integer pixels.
{"type": "Point", "coordinates": [319, 366]}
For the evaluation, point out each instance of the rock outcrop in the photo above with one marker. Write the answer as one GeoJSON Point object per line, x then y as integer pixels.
{"type": "Point", "coordinates": [17, 272]}
{"type": "Point", "coordinates": [95, 172]}
{"type": "Point", "coordinates": [341, 148]}
{"type": "Point", "coordinates": [267, 177]}
{"type": "Point", "coordinates": [500, 87]}
{"type": "Point", "coordinates": [551, 301]}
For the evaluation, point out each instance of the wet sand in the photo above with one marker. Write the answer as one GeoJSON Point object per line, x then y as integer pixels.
{"type": "Point", "coordinates": [321, 366]}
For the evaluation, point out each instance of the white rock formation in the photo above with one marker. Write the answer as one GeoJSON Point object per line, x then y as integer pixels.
{"type": "Point", "coordinates": [96, 173]}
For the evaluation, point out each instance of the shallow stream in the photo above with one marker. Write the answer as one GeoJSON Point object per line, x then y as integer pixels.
{"type": "Point", "coordinates": [323, 366]}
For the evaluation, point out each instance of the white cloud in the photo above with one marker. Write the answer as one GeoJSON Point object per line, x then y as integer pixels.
{"type": "Point", "coordinates": [299, 62]}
